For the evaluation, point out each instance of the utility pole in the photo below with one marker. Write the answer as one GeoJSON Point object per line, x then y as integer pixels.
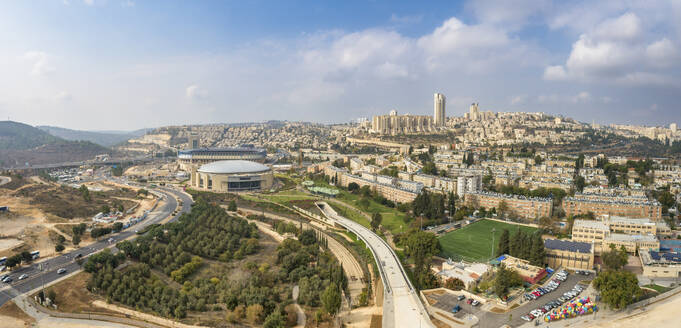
{"type": "Point", "coordinates": [492, 250]}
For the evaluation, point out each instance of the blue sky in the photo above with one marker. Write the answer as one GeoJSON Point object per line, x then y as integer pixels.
{"type": "Point", "coordinates": [119, 64]}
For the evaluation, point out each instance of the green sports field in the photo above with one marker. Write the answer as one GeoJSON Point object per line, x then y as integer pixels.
{"type": "Point", "coordinates": [474, 241]}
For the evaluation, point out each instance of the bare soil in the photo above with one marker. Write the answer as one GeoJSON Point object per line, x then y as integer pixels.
{"type": "Point", "coordinates": [12, 316]}
{"type": "Point", "coordinates": [73, 296]}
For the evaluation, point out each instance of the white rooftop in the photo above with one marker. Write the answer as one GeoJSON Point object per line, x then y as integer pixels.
{"type": "Point", "coordinates": [233, 166]}
{"type": "Point", "coordinates": [590, 224]}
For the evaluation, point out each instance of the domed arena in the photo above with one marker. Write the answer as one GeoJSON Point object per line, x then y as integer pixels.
{"type": "Point", "coordinates": [232, 176]}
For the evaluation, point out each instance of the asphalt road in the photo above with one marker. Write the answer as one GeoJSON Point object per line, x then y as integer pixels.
{"type": "Point", "coordinates": [402, 306]}
{"type": "Point", "coordinates": [37, 277]}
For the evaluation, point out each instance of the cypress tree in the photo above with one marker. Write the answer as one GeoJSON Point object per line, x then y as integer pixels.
{"type": "Point", "coordinates": [504, 243]}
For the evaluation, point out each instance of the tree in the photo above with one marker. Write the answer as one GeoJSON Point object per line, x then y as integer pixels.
{"type": "Point", "coordinates": [617, 288]}
{"type": "Point", "coordinates": [85, 192]}
{"type": "Point", "coordinates": [118, 226]}
{"type": "Point", "coordinates": [429, 168]}
{"type": "Point", "coordinates": [331, 299]}
{"type": "Point", "coordinates": [353, 187]}
{"type": "Point", "coordinates": [75, 240]}
{"type": "Point", "coordinates": [52, 295]}
{"type": "Point", "coordinates": [538, 253]}
{"type": "Point", "coordinates": [451, 203]}
{"type": "Point", "coordinates": [376, 219]}
{"type": "Point", "coordinates": [58, 248]}
{"type": "Point", "coordinates": [454, 284]}
{"type": "Point", "coordinates": [254, 313]}
{"type": "Point", "coordinates": [580, 182]}
{"type": "Point", "coordinates": [503, 208]}
{"type": "Point", "coordinates": [615, 259]}
{"type": "Point", "coordinates": [232, 206]}
{"type": "Point", "coordinates": [274, 320]}
{"type": "Point", "coordinates": [504, 243]}
{"type": "Point", "coordinates": [105, 209]}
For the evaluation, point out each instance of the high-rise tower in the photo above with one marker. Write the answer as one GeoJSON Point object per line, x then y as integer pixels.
{"type": "Point", "coordinates": [439, 117]}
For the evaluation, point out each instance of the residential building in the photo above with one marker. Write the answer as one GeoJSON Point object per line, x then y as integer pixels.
{"type": "Point", "coordinates": [631, 243]}
{"type": "Point", "coordinates": [619, 206]}
{"type": "Point", "coordinates": [521, 206]}
{"type": "Point", "coordinates": [439, 117]}
{"type": "Point", "coordinates": [401, 124]}
{"type": "Point", "coordinates": [569, 254]}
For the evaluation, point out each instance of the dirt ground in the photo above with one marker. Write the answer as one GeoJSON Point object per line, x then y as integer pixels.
{"type": "Point", "coordinates": [12, 316]}
{"type": "Point", "coordinates": [662, 314]}
{"type": "Point", "coordinates": [79, 298]}
{"type": "Point", "coordinates": [151, 170]}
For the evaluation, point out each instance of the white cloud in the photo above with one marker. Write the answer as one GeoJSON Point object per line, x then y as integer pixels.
{"type": "Point", "coordinates": [518, 100]}
{"type": "Point", "coordinates": [40, 63]}
{"type": "Point", "coordinates": [619, 50]}
{"type": "Point", "coordinates": [662, 53]}
{"type": "Point", "coordinates": [89, 2]}
{"type": "Point", "coordinates": [194, 92]}
{"type": "Point", "coordinates": [623, 28]}
{"type": "Point", "coordinates": [128, 4]}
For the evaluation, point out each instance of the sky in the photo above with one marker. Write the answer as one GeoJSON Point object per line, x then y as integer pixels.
{"type": "Point", "coordinates": [130, 64]}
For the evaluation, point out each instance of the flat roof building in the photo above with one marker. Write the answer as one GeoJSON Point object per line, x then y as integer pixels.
{"type": "Point", "coordinates": [660, 265]}
{"type": "Point", "coordinates": [569, 254]}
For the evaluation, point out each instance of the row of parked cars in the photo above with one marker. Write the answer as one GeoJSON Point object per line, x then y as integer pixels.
{"type": "Point", "coordinates": [551, 286]}
{"type": "Point", "coordinates": [553, 304]}
{"type": "Point", "coordinates": [469, 301]}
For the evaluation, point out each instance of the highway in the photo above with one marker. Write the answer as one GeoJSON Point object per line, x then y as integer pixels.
{"type": "Point", "coordinates": [37, 278]}
{"type": "Point", "coordinates": [401, 304]}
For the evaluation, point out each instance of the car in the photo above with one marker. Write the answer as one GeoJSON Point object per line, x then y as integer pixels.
{"type": "Point", "coordinates": [7, 280]}
{"type": "Point", "coordinates": [469, 301]}
{"type": "Point", "coordinates": [456, 309]}
{"type": "Point", "coordinates": [531, 316]}
{"type": "Point", "coordinates": [23, 276]}
{"type": "Point", "coordinates": [3, 277]}
{"type": "Point", "coordinates": [460, 297]}
{"type": "Point", "coordinates": [526, 318]}
{"type": "Point", "coordinates": [61, 271]}
{"type": "Point", "coordinates": [475, 303]}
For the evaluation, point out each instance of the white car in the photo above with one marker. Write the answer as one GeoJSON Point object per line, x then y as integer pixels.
{"type": "Point", "coordinates": [61, 271]}
{"type": "Point", "coordinates": [23, 276]}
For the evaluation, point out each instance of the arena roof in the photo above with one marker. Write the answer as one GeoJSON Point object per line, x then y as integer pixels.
{"type": "Point", "coordinates": [233, 167]}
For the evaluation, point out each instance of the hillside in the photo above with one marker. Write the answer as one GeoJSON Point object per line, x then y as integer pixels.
{"type": "Point", "coordinates": [103, 138]}
{"type": "Point", "coordinates": [21, 143]}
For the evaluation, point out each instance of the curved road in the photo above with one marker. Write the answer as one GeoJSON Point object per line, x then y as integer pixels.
{"type": "Point", "coordinates": [37, 278]}
{"type": "Point", "coordinates": [402, 306]}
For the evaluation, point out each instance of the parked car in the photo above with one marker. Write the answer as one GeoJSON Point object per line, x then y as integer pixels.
{"type": "Point", "coordinates": [456, 309]}
{"type": "Point", "coordinates": [475, 303]}
{"type": "Point", "coordinates": [460, 297]}
{"type": "Point", "coordinates": [526, 318]}
{"type": "Point", "coordinates": [469, 301]}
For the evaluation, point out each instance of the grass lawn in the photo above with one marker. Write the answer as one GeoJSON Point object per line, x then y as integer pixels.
{"type": "Point", "coordinates": [350, 214]}
{"type": "Point", "coordinates": [474, 242]}
{"type": "Point", "coordinates": [393, 219]}
{"type": "Point", "coordinates": [658, 288]}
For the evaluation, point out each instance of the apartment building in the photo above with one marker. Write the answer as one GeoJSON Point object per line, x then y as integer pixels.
{"type": "Point", "coordinates": [399, 124]}
{"type": "Point", "coordinates": [525, 207]}
{"type": "Point", "coordinates": [468, 184]}
{"type": "Point", "coordinates": [590, 232]}
{"type": "Point", "coordinates": [609, 205]}
{"type": "Point", "coordinates": [393, 189]}
{"type": "Point", "coordinates": [569, 254]}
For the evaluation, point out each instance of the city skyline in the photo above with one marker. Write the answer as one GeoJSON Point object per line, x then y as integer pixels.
{"type": "Point", "coordinates": [115, 65]}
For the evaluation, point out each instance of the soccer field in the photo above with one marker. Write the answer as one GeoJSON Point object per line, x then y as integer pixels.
{"type": "Point", "coordinates": [474, 241]}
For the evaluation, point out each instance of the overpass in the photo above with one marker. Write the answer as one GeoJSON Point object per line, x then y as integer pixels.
{"type": "Point", "coordinates": [402, 306]}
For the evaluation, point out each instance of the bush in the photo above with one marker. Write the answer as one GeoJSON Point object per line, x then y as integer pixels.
{"type": "Point", "coordinates": [59, 248]}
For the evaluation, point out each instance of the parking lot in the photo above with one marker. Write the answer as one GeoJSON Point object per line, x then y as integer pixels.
{"type": "Point", "coordinates": [447, 301]}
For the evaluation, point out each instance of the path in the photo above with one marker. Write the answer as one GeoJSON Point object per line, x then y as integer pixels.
{"type": "Point", "coordinates": [301, 314]}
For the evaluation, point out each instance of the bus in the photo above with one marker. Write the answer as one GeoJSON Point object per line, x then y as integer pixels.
{"type": "Point", "coordinates": [35, 254]}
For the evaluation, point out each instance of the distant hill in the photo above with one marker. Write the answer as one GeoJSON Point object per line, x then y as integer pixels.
{"type": "Point", "coordinates": [21, 143]}
{"type": "Point", "coordinates": [104, 138]}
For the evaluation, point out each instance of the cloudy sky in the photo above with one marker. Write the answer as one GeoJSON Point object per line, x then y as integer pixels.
{"type": "Point", "coordinates": [128, 64]}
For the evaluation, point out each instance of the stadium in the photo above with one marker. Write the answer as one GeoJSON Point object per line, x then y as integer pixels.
{"type": "Point", "coordinates": [232, 176]}
{"type": "Point", "coordinates": [191, 158]}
